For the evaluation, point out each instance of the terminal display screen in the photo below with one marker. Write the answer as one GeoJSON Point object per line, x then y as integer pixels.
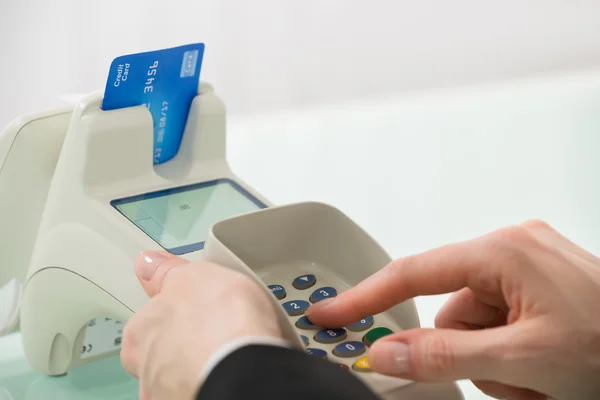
{"type": "Point", "coordinates": [179, 219]}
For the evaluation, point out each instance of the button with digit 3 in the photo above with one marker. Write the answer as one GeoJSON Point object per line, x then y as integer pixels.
{"type": "Point", "coordinates": [295, 307]}
{"type": "Point", "coordinates": [278, 291]}
{"type": "Point", "coordinates": [361, 325]}
{"type": "Point", "coordinates": [317, 353]}
{"type": "Point", "coordinates": [322, 294]}
{"type": "Point", "coordinates": [349, 349]}
{"type": "Point", "coordinates": [331, 335]}
{"type": "Point", "coordinates": [304, 281]}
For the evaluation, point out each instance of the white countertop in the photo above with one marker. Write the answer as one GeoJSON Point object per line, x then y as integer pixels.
{"type": "Point", "coordinates": [421, 170]}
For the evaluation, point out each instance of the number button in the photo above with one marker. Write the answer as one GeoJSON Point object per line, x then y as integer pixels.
{"type": "Point", "coordinates": [330, 335]}
{"type": "Point", "coordinates": [304, 323]}
{"type": "Point", "coordinates": [317, 353]}
{"type": "Point", "coordinates": [295, 307]}
{"type": "Point", "coordinates": [278, 291]}
{"type": "Point", "coordinates": [375, 334]}
{"type": "Point", "coordinates": [304, 281]}
{"type": "Point", "coordinates": [304, 340]}
{"type": "Point", "coordinates": [322, 294]}
{"type": "Point", "coordinates": [362, 365]}
{"type": "Point", "coordinates": [361, 325]}
{"type": "Point", "coordinates": [349, 349]}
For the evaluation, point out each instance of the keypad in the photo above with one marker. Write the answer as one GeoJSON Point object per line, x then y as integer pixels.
{"type": "Point", "coordinates": [304, 281]}
{"type": "Point", "coordinates": [278, 291]}
{"type": "Point", "coordinates": [304, 323]}
{"type": "Point", "coordinates": [361, 325]}
{"type": "Point", "coordinates": [295, 307]}
{"type": "Point", "coordinates": [322, 294]}
{"type": "Point", "coordinates": [317, 353]}
{"type": "Point", "coordinates": [374, 334]}
{"type": "Point", "coordinates": [346, 347]}
{"type": "Point", "coordinates": [330, 335]}
{"type": "Point", "coordinates": [349, 349]}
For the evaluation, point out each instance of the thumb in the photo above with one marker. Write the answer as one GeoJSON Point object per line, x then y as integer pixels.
{"type": "Point", "coordinates": [151, 268]}
{"type": "Point", "coordinates": [443, 355]}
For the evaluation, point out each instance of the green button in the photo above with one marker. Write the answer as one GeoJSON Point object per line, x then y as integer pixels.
{"type": "Point", "coordinates": [375, 334]}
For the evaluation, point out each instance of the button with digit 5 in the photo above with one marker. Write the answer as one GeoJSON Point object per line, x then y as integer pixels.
{"type": "Point", "coordinates": [322, 294]}
{"type": "Point", "coordinates": [295, 307]}
{"type": "Point", "coordinates": [304, 323]}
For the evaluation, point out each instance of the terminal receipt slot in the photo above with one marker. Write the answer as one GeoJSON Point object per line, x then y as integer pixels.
{"type": "Point", "coordinates": [86, 178]}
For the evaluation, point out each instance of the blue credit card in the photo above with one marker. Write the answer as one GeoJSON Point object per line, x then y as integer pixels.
{"type": "Point", "coordinates": [165, 81]}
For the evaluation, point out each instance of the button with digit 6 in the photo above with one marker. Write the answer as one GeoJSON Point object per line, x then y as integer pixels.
{"type": "Point", "coordinates": [361, 325]}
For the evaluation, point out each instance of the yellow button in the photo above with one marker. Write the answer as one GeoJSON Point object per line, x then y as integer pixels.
{"type": "Point", "coordinates": [362, 365]}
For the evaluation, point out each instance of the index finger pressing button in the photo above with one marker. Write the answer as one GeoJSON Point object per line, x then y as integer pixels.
{"type": "Point", "coordinates": [322, 294]}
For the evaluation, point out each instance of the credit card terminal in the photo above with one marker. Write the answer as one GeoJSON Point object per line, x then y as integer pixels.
{"type": "Point", "coordinates": [89, 199]}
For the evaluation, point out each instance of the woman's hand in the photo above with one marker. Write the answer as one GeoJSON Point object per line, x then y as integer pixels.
{"type": "Point", "coordinates": [523, 322]}
{"type": "Point", "coordinates": [195, 309]}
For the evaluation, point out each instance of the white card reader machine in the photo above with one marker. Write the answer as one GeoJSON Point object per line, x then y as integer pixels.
{"type": "Point", "coordinates": [82, 198]}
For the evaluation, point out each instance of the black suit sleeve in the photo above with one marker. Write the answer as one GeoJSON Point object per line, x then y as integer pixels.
{"type": "Point", "coordinates": [269, 372]}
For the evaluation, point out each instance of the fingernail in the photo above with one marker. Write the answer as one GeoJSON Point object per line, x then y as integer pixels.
{"type": "Point", "coordinates": [390, 358]}
{"type": "Point", "coordinates": [147, 263]}
{"type": "Point", "coordinates": [319, 306]}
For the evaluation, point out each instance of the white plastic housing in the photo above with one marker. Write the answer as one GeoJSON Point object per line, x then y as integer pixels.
{"type": "Point", "coordinates": [82, 262]}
